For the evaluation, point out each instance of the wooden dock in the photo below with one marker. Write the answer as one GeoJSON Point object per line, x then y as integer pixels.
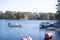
{"type": "Point", "coordinates": [53, 28]}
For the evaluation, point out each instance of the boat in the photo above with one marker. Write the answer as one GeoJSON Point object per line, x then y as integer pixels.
{"type": "Point", "coordinates": [45, 25]}
{"type": "Point", "coordinates": [14, 25]}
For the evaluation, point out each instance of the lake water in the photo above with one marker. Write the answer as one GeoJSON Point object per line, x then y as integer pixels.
{"type": "Point", "coordinates": [29, 28]}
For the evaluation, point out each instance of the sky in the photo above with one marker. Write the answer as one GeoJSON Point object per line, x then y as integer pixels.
{"type": "Point", "coordinates": [28, 5]}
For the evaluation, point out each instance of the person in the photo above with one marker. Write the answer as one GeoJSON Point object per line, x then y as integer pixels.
{"type": "Point", "coordinates": [48, 36]}
{"type": "Point", "coordinates": [28, 38]}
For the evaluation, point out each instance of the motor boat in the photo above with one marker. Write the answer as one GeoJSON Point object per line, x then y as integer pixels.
{"type": "Point", "coordinates": [14, 25]}
{"type": "Point", "coordinates": [45, 25]}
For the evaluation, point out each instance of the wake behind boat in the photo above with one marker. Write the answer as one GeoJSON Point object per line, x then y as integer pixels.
{"type": "Point", "coordinates": [14, 25]}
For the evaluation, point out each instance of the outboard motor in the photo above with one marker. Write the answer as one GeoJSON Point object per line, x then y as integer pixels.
{"type": "Point", "coordinates": [8, 24]}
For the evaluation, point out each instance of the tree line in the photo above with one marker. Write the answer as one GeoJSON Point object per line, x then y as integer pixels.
{"type": "Point", "coordinates": [28, 15]}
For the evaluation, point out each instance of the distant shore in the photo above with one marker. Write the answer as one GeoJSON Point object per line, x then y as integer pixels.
{"type": "Point", "coordinates": [27, 15]}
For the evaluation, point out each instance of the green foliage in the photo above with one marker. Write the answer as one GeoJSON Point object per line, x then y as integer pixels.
{"type": "Point", "coordinates": [57, 16]}
{"type": "Point", "coordinates": [28, 15]}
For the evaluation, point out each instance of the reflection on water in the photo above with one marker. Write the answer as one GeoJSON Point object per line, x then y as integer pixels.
{"type": "Point", "coordinates": [30, 28]}
{"type": "Point", "coordinates": [58, 35]}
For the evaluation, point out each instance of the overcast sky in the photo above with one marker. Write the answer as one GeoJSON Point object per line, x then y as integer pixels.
{"type": "Point", "coordinates": [28, 5]}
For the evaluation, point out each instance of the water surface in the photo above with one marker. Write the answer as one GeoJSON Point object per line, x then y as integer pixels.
{"type": "Point", "coordinates": [29, 28]}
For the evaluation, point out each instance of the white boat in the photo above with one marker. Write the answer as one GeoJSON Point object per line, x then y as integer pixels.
{"type": "Point", "coordinates": [14, 25]}
{"type": "Point", "coordinates": [46, 25]}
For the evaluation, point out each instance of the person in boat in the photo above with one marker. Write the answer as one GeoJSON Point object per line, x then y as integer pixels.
{"type": "Point", "coordinates": [14, 25]}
